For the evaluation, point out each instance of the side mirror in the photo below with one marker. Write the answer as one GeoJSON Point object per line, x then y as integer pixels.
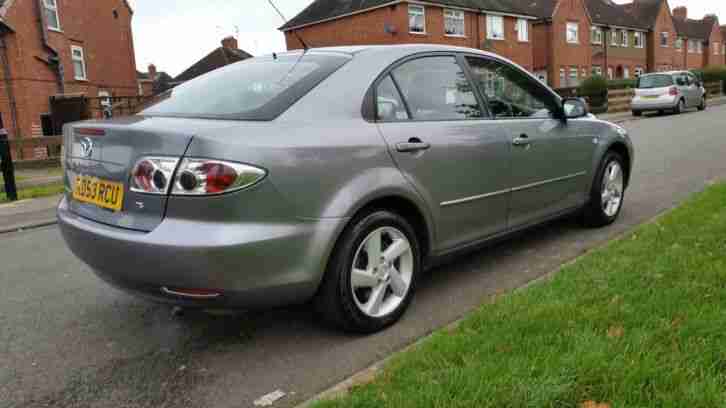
{"type": "Point", "coordinates": [575, 108]}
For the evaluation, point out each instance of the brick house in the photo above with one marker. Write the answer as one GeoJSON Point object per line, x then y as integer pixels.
{"type": "Point", "coordinates": [51, 47]}
{"type": "Point", "coordinates": [228, 53]}
{"type": "Point", "coordinates": [153, 82]}
{"type": "Point", "coordinates": [501, 27]}
{"type": "Point", "coordinates": [702, 40]}
{"type": "Point", "coordinates": [562, 52]}
{"type": "Point", "coordinates": [618, 40]}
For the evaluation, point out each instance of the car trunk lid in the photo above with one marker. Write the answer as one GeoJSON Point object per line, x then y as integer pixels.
{"type": "Point", "coordinates": [99, 158]}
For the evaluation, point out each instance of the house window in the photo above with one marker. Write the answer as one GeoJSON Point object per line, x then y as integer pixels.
{"type": "Point", "coordinates": [46, 124]}
{"type": "Point", "coordinates": [583, 74]}
{"type": "Point", "coordinates": [51, 14]}
{"type": "Point", "coordinates": [664, 39]}
{"type": "Point", "coordinates": [639, 40]}
{"type": "Point", "coordinates": [563, 77]}
{"type": "Point", "coordinates": [700, 47]}
{"type": "Point", "coordinates": [522, 30]}
{"type": "Point", "coordinates": [79, 63]}
{"type": "Point", "coordinates": [624, 38]}
{"type": "Point", "coordinates": [638, 72]}
{"type": "Point", "coordinates": [597, 70]}
{"type": "Point", "coordinates": [573, 36]}
{"type": "Point", "coordinates": [416, 19]}
{"type": "Point", "coordinates": [626, 73]}
{"type": "Point", "coordinates": [613, 38]}
{"type": "Point", "coordinates": [596, 35]}
{"type": "Point", "coordinates": [679, 44]}
{"type": "Point", "coordinates": [495, 27]}
{"type": "Point", "coordinates": [610, 73]}
{"type": "Point", "coordinates": [691, 46]}
{"type": "Point", "coordinates": [454, 23]}
{"type": "Point", "coordinates": [716, 48]}
{"type": "Point", "coordinates": [573, 77]}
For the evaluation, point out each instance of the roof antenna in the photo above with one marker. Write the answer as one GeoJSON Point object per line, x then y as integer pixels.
{"type": "Point", "coordinates": [305, 46]}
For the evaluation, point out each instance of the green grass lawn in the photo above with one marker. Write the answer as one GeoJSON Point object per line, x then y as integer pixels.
{"type": "Point", "coordinates": [640, 322]}
{"type": "Point", "coordinates": [35, 192]}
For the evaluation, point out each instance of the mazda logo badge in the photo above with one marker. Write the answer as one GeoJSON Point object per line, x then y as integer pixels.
{"type": "Point", "coordinates": [86, 147]}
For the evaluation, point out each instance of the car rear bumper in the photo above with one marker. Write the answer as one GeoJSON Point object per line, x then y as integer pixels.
{"type": "Point", "coordinates": [251, 265]}
{"type": "Point", "coordinates": [640, 104]}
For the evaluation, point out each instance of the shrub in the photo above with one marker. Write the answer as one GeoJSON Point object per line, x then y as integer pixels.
{"type": "Point", "coordinates": [595, 85]}
{"type": "Point", "coordinates": [714, 74]}
{"type": "Point", "coordinates": [621, 84]}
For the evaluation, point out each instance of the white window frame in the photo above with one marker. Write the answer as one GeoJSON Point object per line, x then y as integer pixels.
{"type": "Point", "coordinates": [639, 39]}
{"type": "Point", "coordinates": [572, 77]}
{"type": "Point", "coordinates": [491, 34]}
{"type": "Point", "coordinates": [563, 77]}
{"type": "Point", "coordinates": [597, 70]}
{"type": "Point", "coordinates": [716, 48]}
{"type": "Point", "coordinates": [416, 10]}
{"type": "Point", "coordinates": [667, 36]}
{"type": "Point", "coordinates": [52, 6]}
{"type": "Point", "coordinates": [596, 35]}
{"type": "Point", "coordinates": [692, 46]}
{"type": "Point", "coordinates": [611, 73]}
{"type": "Point", "coordinates": [638, 71]}
{"type": "Point", "coordinates": [679, 44]}
{"type": "Point", "coordinates": [568, 28]}
{"type": "Point", "coordinates": [522, 30]}
{"type": "Point", "coordinates": [624, 38]}
{"type": "Point", "coordinates": [699, 46]}
{"type": "Point", "coordinates": [454, 17]}
{"type": "Point", "coordinates": [82, 60]}
{"type": "Point", "coordinates": [614, 38]}
{"type": "Point", "coordinates": [626, 72]}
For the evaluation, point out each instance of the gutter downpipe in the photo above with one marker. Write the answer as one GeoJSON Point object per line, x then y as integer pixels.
{"type": "Point", "coordinates": [8, 87]}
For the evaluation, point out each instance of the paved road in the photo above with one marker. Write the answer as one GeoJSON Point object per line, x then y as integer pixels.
{"type": "Point", "coordinates": [67, 340]}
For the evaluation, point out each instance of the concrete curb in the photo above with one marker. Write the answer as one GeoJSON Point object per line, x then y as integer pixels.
{"type": "Point", "coordinates": [29, 226]}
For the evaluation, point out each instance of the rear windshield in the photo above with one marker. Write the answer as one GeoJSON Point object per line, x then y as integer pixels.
{"type": "Point", "coordinates": [655, 81]}
{"type": "Point", "coordinates": [254, 89]}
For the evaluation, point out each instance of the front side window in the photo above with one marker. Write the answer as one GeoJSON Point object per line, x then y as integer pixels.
{"type": "Point", "coordinates": [624, 38]}
{"type": "Point", "coordinates": [664, 39]}
{"type": "Point", "coordinates": [596, 35]}
{"type": "Point", "coordinates": [436, 88]}
{"type": "Point", "coordinates": [510, 92]}
{"type": "Point", "coordinates": [51, 14]}
{"type": "Point", "coordinates": [79, 63]}
{"type": "Point", "coordinates": [495, 27]}
{"type": "Point", "coordinates": [454, 23]}
{"type": "Point", "coordinates": [522, 30]}
{"type": "Point", "coordinates": [389, 104]}
{"type": "Point", "coordinates": [416, 19]}
{"type": "Point", "coordinates": [255, 89]}
{"type": "Point", "coordinates": [573, 36]}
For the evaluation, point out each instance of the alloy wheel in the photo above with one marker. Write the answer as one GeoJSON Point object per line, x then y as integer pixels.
{"type": "Point", "coordinates": [382, 272]}
{"type": "Point", "coordinates": [612, 189]}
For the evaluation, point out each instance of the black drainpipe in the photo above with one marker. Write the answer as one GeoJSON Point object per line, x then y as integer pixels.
{"type": "Point", "coordinates": [8, 86]}
{"type": "Point", "coordinates": [54, 60]}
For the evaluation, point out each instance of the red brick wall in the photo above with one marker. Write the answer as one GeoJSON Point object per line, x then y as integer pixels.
{"type": "Point", "coordinates": [518, 51]}
{"type": "Point", "coordinates": [695, 60]}
{"type": "Point", "coordinates": [566, 55]}
{"type": "Point", "coordinates": [108, 49]}
{"type": "Point", "coordinates": [664, 58]}
{"type": "Point", "coordinates": [709, 58]}
{"type": "Point", "coordinates": [369, 28]}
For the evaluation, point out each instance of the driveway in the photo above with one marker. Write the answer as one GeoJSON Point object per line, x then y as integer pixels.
{"type": "Point", "coordinates": [68, 340]}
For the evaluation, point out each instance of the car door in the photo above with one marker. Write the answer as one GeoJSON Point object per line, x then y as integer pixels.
{"type": "Point", "coordinates": [683, 83]}
{"type": "Point", "coordinates": [694, 90]}
{"type": "Point", "coordinates": [444, 143]}
{"type": "Point", "coordinates": [550, 158]}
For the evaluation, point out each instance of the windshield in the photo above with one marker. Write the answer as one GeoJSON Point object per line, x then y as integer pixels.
{"type": "Point", "coordinates": [254, 89]}
{"type": "Point", "coordinates": [655, 81]}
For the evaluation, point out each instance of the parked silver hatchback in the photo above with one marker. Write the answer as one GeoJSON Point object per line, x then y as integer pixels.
{"type": "Point", "coordinates": [668, 91]}
{"type": "Point", "coordinates": [335, 175]}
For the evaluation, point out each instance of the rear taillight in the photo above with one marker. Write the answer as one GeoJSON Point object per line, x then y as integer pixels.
{"type": "Point", "coordinates": [673, 91]}
{"type": "Point", "coordinates": [152, 175]}
{"type": "Point", "coordinates": [208, 177]}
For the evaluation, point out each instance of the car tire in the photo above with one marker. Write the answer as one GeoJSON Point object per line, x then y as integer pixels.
{"type": "Point", "coordinates": [348, 303]}
{"type": "Point", "coordinates": [600, 210]}
{"type": "Point", "coordinates": [680, 107]}
{"type": "Point", "coordinates": [702, 106]}
{"type": "Point", "coordinates": [637, 113]}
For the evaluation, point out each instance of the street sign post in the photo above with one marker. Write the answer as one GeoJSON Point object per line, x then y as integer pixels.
{"type": "Point", "coordinates": [6, 166]}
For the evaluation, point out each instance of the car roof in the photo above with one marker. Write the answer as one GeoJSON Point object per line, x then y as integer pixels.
{"type": "Point", "coordinates": [667, 73]}
{"type": "Point", "coordinates": [397, 48]}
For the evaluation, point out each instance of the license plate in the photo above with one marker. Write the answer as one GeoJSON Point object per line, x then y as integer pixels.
{"type": "Point", "coordinates": [651, 97]}
{"type": "Point", "coordinates": [105, 194]}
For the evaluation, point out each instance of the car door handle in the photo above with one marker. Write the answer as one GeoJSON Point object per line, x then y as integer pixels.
{"type": "Point", "coordinates": [522, 140]}
{"type": "Point", "coordinates": [412, 146]}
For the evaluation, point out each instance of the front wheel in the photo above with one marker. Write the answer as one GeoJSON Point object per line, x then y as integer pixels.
{"type": "Point", "coordinates": [702, 106]}
{"type": "Point", "coordinates": [607, 193]}
{"type": "Point", "coordinates": [372, 274]}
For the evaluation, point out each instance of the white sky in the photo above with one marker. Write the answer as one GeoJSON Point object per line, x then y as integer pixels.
{"type": "Point", "coordinates": [174, 34]}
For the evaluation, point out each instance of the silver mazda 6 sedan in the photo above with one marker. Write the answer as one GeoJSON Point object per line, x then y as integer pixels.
{"type": "Point", "coordinates": [334, 175]}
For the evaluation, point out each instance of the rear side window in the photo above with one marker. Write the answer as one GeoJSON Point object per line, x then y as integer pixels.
{"type": "Point", "coordinates": [436, 88]}
{"type": "Point", "coordinates": [655, 81]}
{"type": "Point", "coordinates": [254, 89]}
{"type": "Point", "coordinates": [389, 105]}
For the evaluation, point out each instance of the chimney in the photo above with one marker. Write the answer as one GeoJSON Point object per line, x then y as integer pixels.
{"type": "Point", "coordinates": [230, 42]}
{"type": "Point", "coordinates": [680, 13]}
{"type": "Point", "coordinates": [152, 72]}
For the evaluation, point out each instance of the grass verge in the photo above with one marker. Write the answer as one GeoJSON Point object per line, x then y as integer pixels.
{"type": "Point", "coordinates": [35, 192]}
{"type": "Point", "coordinates": [639, 322]}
